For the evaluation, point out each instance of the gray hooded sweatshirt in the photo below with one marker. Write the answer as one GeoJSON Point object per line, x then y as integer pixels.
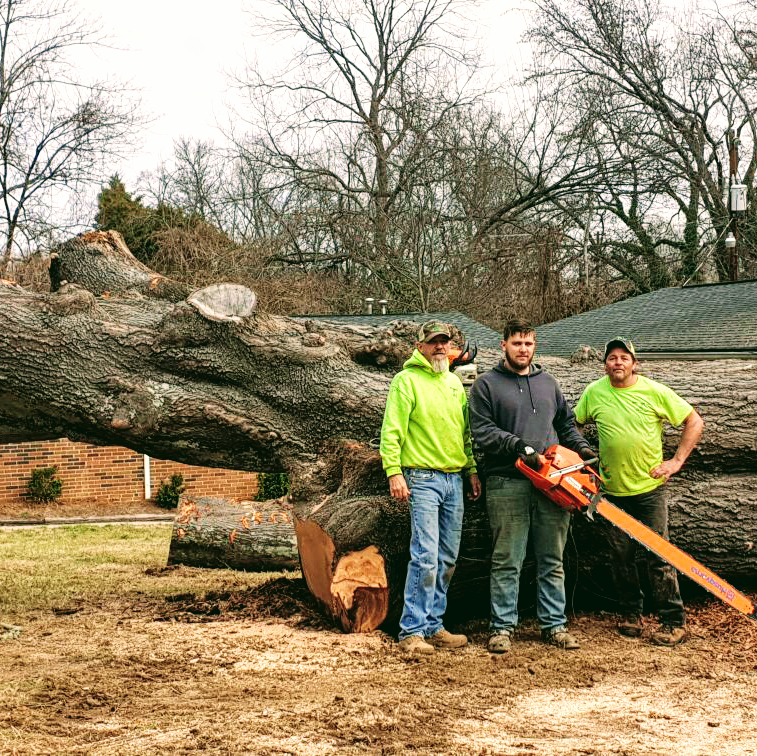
{"type": "Point", "coordinates": [507, 408]}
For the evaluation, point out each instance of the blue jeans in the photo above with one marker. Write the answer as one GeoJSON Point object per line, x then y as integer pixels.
{"type": "Point", "coordinates": [651, 509]}
{"type": "Point", "coordinates": [517, 509]}
{"type": "Point", "coordinates": [436, 524]}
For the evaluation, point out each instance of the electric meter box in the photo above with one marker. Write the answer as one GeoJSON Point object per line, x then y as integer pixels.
{"type": "Point", "coordinates": [738, 198]}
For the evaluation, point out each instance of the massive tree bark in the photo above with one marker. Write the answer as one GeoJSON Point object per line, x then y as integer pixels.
{"type": "Point", "coordinates": [203, 378]}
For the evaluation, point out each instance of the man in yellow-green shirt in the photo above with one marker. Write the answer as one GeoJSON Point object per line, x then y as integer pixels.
{"type": "Point", "coordinates": [629, 411]}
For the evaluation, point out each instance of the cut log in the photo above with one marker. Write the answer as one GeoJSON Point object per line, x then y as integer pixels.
{"type": "Point", "coordinates": [351, 583]}
{"type": "Point", "coordinates": [353, 546]}
{"type": "Point", "coordinates": [254, 536]}
{"type": "Point", "coordinates": [355, 554]}
{"type": "Point", "coordinates": [714, 518]}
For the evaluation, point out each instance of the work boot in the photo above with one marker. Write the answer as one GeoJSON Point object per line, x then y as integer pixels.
{"type": "Point", "coordinates": [631, 626]}
{"type": "Point", "coordinates": [499, 642]}
{"type": "Point", "coordinates": [669, 635]}
{"type": "Point", "coordinates": [560, 637]}
{"type": "Point", "coordinates": [415, 645]}
{"type": "Point", "coordinates": [445, 639]}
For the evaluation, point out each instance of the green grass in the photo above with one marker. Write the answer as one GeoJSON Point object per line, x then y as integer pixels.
{"type": "Point", "coordinates": [42, 569]}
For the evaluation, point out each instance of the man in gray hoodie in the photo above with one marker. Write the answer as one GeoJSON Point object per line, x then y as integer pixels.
{"type": "Point", "coordinates": [518, 410]}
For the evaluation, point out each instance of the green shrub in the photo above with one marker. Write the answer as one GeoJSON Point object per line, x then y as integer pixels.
{"type": "Point", "coordinates": [272, 485]}
{"type": "Point", "coordinates": [169, 493]}
{"type": "Point", "coordinates": [44, 486]}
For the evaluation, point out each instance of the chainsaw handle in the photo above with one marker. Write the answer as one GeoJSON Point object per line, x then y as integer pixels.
{"type": "Point", "coordinates": [551, 453]}
{"type": "Point", "coordinates": [574, 468]}
{"type": "Point", "coordinates": [522, 466]}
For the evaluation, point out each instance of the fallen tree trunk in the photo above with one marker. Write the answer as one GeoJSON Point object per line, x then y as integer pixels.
{"type": "Point", "coordinates": [714, 518]}
{"type": "Point", "coordinates": [253, 536]}
{"type": "Point", "coordinates": [354, 550]}
{"type": "Point", "coordinates": [204, 379]}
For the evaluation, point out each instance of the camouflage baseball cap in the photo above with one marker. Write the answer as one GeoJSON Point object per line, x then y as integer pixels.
{"type": "Point", "coordinates": [621, 342]}
{"type": "Point", "coordinates": [433, 328]}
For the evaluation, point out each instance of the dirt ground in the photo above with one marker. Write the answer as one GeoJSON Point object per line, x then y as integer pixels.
{"type": "Point", "coordinates": [260, 671]}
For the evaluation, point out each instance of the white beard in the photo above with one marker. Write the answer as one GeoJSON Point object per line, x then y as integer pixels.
{"type": "Point", "coordinates": [440, 364]}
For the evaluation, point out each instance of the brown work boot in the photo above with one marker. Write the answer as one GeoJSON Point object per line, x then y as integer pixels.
{"type": "Point", "coordinates": [499, 642]}
{"type": "Point", "coordinates": [445, 639]}
{"type": "Point", "coordinates": [670, 635]}
{"type": "Point", "coordinates": [415, 645]}
{"type": "Point", "coordinates": [631, 626]}
{"type": "Point", "coordinates": [560, 637]}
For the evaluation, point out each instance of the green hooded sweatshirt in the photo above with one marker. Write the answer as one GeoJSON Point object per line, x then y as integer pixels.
{"type": "Point", "coordinates": [426, 421]}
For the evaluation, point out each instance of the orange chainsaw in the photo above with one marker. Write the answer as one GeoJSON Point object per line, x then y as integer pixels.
{"type": "Point", "coordinates": [462, 356]}
{"type": "Point", "coordinates": [572, 484]}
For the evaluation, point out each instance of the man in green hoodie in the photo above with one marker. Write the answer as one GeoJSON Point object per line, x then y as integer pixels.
{"type": "Point", "coordinates": [425, 448]}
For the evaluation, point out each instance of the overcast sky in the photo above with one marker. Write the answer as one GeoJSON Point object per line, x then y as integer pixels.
{"type": "Point", "coordinates": [176, 52]}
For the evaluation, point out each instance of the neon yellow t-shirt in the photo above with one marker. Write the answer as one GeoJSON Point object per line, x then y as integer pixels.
{"type": "Point", "coordinates": [630, 423]}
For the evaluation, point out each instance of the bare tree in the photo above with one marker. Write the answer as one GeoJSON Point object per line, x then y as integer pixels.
{"type": "Point", "coordinates": [497, 238]}
{"type": "Point", "coordinates": [406, 178]}
{"type": "Point", "coordinates": [660, 91]}
{"type": "Point", "coordinates": [350, 119]}
{"type": "Point", "coordinates": [56, 129]}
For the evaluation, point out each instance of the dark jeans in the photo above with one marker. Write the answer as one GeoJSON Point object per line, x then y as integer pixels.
{"type": "Point", "coordinates": [651, 509]}
{"type": "Point", "coordinates": [517, 509]}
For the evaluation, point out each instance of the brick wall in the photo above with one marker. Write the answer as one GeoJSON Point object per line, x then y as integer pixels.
{"type": "Point", "coordinates": [114, 472]}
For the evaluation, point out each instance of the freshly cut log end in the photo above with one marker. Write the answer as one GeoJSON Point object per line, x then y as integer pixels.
{"type": "Point", "coordinates": [354, 590]}
{"type": "Point", "coordinates": [224, 302]}
{"type": "Point", "coordinates": [368, 611]}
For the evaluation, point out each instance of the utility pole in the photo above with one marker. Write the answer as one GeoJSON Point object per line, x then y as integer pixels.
{"type": "Point", "coordinates": [586, 242]}
{"type": "Point", "coordinates": [733, 166]}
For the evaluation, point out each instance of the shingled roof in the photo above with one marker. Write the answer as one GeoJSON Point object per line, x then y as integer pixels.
{"type": "Point", "coordinates": [710, 321]}
{"type": "Point", "coordinates": [474, 331]}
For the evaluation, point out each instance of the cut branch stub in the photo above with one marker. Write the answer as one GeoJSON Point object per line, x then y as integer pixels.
{"type": "Point", "coordinates": [224, 302]}
{"type": "Point", "coordinates": [101, 262]}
